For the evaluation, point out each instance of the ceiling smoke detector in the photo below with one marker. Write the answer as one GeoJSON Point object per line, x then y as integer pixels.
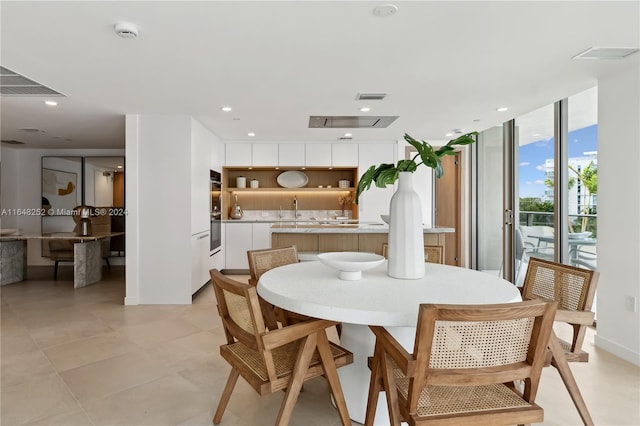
{"type": "Point", "coordinates": [126, 30]}
{"type": "Point", "coordinates": [385, 10]}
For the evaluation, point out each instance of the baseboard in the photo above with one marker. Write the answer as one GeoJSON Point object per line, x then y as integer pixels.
{"type": "Point", "coordinates": [617, 350]}
{"type": "Point", "coordinates": [131, 301]}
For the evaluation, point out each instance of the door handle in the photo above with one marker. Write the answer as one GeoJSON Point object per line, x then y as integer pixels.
{"type": "Point", "coordinates": [508, 217]}
{"type": "Point", "coordinates": [203, 236]}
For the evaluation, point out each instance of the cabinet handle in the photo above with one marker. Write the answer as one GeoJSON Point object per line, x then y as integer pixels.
{"type": "Point", "coordinates": [203, 236]}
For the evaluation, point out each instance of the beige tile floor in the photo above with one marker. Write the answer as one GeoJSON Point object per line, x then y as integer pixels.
{"type": "Point", "coordinates": [79, 357]}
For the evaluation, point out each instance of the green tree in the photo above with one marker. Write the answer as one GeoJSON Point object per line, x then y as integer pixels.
{"type": "Point", "coordinates": [588, 177]}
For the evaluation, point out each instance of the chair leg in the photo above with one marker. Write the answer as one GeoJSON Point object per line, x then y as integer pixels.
{"type": "Point", "coordinates": [305, 353]}
{"type": "Point", "coordinates": [389, 385]}
{"type": "Point", "coordinates": [55, 271]}
{"type": "Point", "coordinates": [108, 264]}
{"type": "Point", "coordinates": [331, 374]}
{"type": "Point", "coordinates": [226, 395]}
{"type": "Point", "coordinates": [375, 387]}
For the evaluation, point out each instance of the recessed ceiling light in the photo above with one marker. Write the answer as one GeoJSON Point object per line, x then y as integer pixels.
{"type": "Point", "coordinates": [51, 103]}
{"type": "Point", "coordinates": [251, 134]}
{"type": "Point", "coordinates": [385, 10]}
{"type": "Point", "coordinates": [119, 167]}
{"type": "Point", "coordinates": [448, 134]}
{"type": "Point", "coordinates": [347, 135]}
{"type": "Point", "coordinates": [365, 109]}
{"type": "Point", "coordinates": [502, 109]}
{"type": "Point", "coordinates": [226, 108]}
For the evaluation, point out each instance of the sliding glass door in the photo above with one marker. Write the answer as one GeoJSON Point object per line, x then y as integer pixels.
{"type": "Point", "coordinates": [535, 186]}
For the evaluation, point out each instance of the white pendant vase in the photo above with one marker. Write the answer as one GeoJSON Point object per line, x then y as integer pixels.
{"type": "Point", "coordinates": [406, 234]}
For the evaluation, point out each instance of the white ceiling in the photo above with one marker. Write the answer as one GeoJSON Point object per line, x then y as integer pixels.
{"type": "Point", "coordinates": [445, 65]}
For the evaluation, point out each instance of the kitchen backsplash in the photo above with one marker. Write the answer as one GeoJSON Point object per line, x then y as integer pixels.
{"type": "Point", "coordinates": [306, 215]}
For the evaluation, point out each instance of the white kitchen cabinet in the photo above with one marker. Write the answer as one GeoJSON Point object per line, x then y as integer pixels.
{"type": "Point", "coordinates": [291, 155]}
{"type": "Point", "coordinates": [238, 239]}
{"type": "Point", "coordinates": [199, 260]}
{"type": "Point", "coordinates": [375, 201]}
{"type": "Point", "coordinates": [261, 237]}
{"type": "Point", "coordinates": [264, 154]}
{"type": "Point", "coordinates": [344, 155]}
{"type": "Point", "coordinates": [318, 155]}
{"type": "Point", "coordinates": [237, 154]}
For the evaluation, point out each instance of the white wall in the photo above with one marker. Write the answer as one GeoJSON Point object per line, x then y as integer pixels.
{"type": "Point", "coordinates": [158, 198]}
{"type": "Point", "coordinates": [162, 177]}
{"type": "Point", "coordinates": [21, 188]}
{"type": "Point", "coordinates": [618, 212]}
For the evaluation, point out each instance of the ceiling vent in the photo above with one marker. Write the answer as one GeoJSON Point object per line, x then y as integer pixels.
{"type": "Point", "coordinates": [12, 142]}
{"type": "Point", "coordinates": [350, 122]}
{"type": "Point", "coordinates": [14, 84]}
{"type": "Point", "coordinates": [370, 96]}
{"type": "Point", "coordinates": [606, 53]}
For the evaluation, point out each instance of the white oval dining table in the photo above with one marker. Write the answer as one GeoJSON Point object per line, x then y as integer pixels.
{"type": "Point", "coordinates": [313, 289]}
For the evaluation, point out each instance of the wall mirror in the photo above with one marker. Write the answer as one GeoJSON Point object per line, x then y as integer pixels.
{"type": "Point", "coordinates": [104, 181]}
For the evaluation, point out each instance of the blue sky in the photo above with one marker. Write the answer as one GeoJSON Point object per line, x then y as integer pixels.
{"type": "Point", "coordinates": [533, 155]}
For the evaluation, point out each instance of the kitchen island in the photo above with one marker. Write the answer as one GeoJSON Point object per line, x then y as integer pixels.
{"type": "Point", "coordinates": [365, 237]}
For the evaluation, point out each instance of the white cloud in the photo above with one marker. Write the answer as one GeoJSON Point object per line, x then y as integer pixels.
{"type": "Point", "coordinates": [539, 182]}
{"type": "Point", "coordinates": [541, 167]}
{"type": "Point", "coordinates": [525, 163]}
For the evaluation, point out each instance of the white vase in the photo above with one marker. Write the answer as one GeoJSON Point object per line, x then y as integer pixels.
{"type": "Point", "coordinates": [406, 234]}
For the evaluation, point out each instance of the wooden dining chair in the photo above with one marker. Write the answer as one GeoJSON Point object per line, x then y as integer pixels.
{"type": "Point", "coordinates": [463, 366]}
{"type": "Point", "coordinates": [432, 253]}
{"type": "Point", "coordinates": [263, 260]}
{"type": "Point", "coordinates": [273, 360]}
{"type": "Point", "coordinates": [573, 288]}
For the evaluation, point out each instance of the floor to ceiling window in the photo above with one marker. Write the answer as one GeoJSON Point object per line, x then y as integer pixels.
{"type": "Point", "coordinates": [583, 179]}
{"type": "Point", "coordinates": [534, 227]}
{"type": "Point", "coordinates": [548, 209]}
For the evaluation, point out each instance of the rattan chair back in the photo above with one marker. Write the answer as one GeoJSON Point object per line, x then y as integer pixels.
{"type": "Point", "coordinates": [573, 288]}
{"type": "Point", "coordinates": [261, 261]}
{"type": "Point", "coordinates": [432, 253]}
{"type": "Point", "coordinates": [273, 360]}
{"type": "Point", "coordinates": [463, 355]}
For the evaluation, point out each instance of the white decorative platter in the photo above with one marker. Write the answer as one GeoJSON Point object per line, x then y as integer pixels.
{"type": "Point", "coordinates": [292, 179]}
{"type": "Point", "coordinates": [350, 264]}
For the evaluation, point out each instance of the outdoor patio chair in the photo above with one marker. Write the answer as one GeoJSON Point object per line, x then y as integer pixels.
{"type": "Point", "coordinates": [274, 360]}
{"type": "Point", "coordinates": [465, 361]}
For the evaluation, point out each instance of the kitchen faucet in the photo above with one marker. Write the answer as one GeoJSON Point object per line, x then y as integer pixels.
{"type": "Point", "coordinates": [295, 206]}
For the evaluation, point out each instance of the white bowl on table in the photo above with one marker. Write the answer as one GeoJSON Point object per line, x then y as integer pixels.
{"type": "Point", "coordinates": [350, 263]}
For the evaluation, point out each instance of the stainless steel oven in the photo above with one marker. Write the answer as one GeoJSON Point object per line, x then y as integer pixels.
{"type": "Point", "coordinates": [215, 210]}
